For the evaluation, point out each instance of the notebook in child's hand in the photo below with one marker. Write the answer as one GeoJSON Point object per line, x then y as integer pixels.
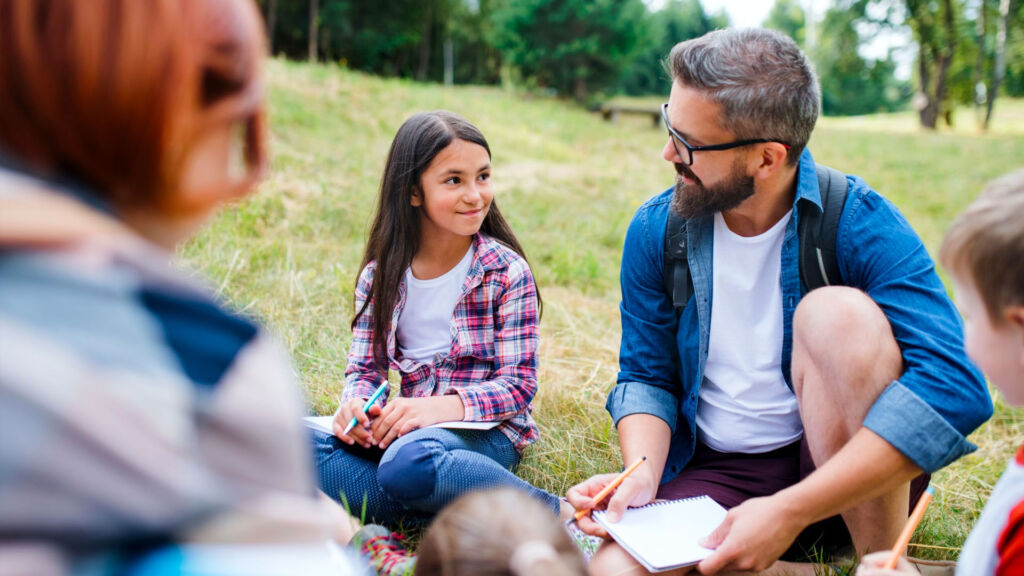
{"type": "Point", "coordinates": [325, 424]}
{"type": "Point", "coordinates": [663, 535]}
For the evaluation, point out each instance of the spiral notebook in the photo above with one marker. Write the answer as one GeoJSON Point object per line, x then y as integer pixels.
{"type": "Point", "coordinates": [664, 535]}
{"type": "Point", "coordinates": [326, 423]}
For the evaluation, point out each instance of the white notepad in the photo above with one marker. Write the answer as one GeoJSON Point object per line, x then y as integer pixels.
{"type": "Point", "coordinates": [664, 535]}
{"type": "Point", "coordinates": [324, 424]}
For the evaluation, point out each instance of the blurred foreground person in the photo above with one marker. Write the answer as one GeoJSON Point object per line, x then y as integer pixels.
{"type": "Point", "coordinates": [136, 412]}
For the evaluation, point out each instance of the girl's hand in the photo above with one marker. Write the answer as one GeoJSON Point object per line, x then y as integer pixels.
{"type": "Point", "coordinates": [361, 433]}
{"type": "Point", "coordinates": [403, 415]}
{"type": "Point", "coordinates": [871, 565]}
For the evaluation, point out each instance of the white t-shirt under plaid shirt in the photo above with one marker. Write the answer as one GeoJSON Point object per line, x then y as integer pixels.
{"type": "Point", "coordinates": [425, 324]}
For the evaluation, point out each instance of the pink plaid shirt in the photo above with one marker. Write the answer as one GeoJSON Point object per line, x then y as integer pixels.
{"type": "Point", "coordinates": [492, 363]}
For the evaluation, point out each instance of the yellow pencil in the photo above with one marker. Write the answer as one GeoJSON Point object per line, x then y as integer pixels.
{"type": "Point", "coordinates": [908, 530]}
{"type": "Point", "coordinates": [612, 486]}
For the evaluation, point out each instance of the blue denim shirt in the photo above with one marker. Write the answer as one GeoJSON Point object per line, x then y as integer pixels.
{"type": "Point", "coordinates": [926, 414]}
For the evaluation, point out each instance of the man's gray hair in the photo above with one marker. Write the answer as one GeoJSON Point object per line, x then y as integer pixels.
{"type": "Point", "coordinates": [763, 81]}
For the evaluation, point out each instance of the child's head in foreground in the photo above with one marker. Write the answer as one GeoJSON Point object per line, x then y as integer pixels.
{"type": "Point", "coordinates": [499, 532]}
{"type": "Point", "coordinates": [984, 252]}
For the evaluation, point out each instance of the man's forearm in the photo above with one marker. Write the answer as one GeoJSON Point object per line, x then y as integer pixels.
{"type": "Point", "coordinates": [866, 468]}
{"type": "Point", "coordinates": [645, 435]}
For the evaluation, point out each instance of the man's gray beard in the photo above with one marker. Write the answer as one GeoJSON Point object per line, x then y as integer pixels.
{"type": "Point", "coordinates": [695, 200]}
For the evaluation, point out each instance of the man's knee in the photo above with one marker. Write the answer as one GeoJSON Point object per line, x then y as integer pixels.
{"type": "Point", "coordinates": [843, 326]}
{"type": "Point", "coordinates": [411, 474]}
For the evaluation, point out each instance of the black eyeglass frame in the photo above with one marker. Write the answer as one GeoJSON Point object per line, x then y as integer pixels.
{"type": "Point", "coordinates": [687, 160]}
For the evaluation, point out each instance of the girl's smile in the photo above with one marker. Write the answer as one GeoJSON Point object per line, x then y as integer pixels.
{"type": "Point", "coordinates": [455, 193]}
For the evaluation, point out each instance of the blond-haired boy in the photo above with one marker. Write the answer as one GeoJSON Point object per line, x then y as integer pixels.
{"type": "Point", "coordinates": [984, 252]}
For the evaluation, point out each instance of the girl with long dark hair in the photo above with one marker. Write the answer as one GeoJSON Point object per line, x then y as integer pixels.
{"type": "Point", "coordinates": [446, 299]}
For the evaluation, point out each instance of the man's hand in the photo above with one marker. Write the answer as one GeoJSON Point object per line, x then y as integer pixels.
{"type": "Point", "coordinates": [403, 415]}
{"type": "Point", "coordinates": [871, 565]}
{"type": "Point", "coordinates": [636, 490]}
{"type": "Point", "coordinates": [753, 536]}
{"type": "Point", "coordinates": [360, 434]}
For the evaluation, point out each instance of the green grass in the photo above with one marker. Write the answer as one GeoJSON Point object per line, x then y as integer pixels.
{"type": "Point", "coordinates": [569, 183]}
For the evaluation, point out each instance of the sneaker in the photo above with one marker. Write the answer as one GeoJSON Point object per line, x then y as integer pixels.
{"type": "Point", "coordinates": [384, 551]}
{"type": "Point", "coordinates": [585, 543]}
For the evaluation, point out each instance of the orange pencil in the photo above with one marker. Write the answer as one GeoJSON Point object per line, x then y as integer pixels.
{"type": "Point", "coordinates": [612, 486]}
{"type": "Point", "coordinates": [908, 530]}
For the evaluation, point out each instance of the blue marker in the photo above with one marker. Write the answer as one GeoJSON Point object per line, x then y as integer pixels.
{"type": "Point", "coordinates": [366, 407]}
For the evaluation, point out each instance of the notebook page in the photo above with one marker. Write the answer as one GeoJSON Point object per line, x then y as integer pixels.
{"type": "Point", "coordinates": [664, 535]}
{"type": "Point", "coordinates": [325, 423]}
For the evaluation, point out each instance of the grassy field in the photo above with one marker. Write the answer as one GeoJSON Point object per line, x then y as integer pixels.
{"type": "Point", "coordinates": [569, 183]}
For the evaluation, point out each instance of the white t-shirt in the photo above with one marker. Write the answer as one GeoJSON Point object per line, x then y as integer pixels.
{"type": "Point", "coordinates": [745, 405]}
{"type": "Point", "coordinates": [425, 324]}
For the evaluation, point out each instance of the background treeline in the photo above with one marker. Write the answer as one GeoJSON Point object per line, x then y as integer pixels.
{"type": "Point", "coordinates": [967, 51]}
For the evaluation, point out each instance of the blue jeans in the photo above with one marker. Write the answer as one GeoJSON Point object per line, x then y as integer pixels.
{"type": "Point", "coordinates": [419, 473]}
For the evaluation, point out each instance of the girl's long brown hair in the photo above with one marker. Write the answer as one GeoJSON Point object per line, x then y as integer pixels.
{"type": "Point", "coordinates": [395, 232]}
{"type": "Point", "coordinates": [113, 94]}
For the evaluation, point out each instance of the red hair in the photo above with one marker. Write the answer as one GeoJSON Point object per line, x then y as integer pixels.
{"type": "Point", "coordinates": [114, 93]}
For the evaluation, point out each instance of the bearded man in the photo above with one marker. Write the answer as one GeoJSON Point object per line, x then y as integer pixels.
{"type": "Point", "coordinates": [816, 415]}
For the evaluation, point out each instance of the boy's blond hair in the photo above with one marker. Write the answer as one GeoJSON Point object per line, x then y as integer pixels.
{"type": "Point", "coordinates": [500, 532]}
{"type": "Point", "coordinates": [985, 244]}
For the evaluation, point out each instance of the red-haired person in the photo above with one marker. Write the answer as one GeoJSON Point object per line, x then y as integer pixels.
{"type": "Point", "coordinates": [135, 410]}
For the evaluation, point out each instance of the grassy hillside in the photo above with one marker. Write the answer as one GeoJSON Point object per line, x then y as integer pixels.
{"type": "Point", "coordinates": [569, 183]}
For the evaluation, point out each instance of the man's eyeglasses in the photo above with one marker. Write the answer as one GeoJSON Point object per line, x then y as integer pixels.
{"type": "Point", "coordinates": [685, 150]}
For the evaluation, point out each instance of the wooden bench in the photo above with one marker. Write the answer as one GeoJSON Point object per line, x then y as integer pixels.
{"type": "Point", "coordinates": [611, 112]}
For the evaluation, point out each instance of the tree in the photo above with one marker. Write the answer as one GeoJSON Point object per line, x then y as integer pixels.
{"type": "Point", "coordinates": [271, 22]}
{"type": "Point", "coordinates": [678, 20]}
{"type": "Point", "coordinates": [314, 6]}
{"type": "Point", "coordinates": [849, 83]}
{"type": "Point", "coordinates": [787, 16]}
{"type": "Point", "coordinates": [576, 47]}
{"type": "Point", "coordinates": [933, 25]}
{"type": "Point", "coordinates": [1000, 61]}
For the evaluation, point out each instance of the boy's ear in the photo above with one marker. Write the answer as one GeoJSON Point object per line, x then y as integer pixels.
{"type": "Point", "coordinates": [1015, 314]}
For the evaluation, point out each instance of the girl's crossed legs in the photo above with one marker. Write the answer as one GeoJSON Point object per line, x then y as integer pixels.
{"type": "Point", "coordinates": [419, 473]}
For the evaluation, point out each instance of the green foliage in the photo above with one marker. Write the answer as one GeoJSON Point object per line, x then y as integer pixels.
{"type": "Point", "coordinates": [787, 16]}
{"type": "Point", "coordinates": [575, 47]}
{"type": "Point", "coordinates": [1014, 83]}
{"type": "Point", "coordinates": [678, 20]}
{"type": "Point", "coordinates": [849, 83]}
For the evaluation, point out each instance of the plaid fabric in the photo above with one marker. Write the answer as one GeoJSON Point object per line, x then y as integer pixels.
{"type": "Point", "coordinates": [492, 363]}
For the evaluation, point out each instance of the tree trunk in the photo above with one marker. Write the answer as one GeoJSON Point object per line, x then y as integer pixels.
{"type": "Point", "coordinates": [271, 23]}
{"type": "Point", "coordinates": [428, 25]}
{"type": "Point", "coordinates": [927, 107]}
{"type": "Point", "coordinates": [979, 65]}
{"type": "Point", "coordinates": [314, 7]}
{"type": "Point", "coordinates": [1000, 64]}
{"type": "Point", "coordinates": [935, 55]}
{"type": "Point", "coordinates": [944, 59]}
{"type": "Point", "coordinates": [449, 62]}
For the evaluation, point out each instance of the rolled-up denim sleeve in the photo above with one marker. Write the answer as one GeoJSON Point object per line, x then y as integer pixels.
{"type": "Point", "coordinates": [941, 396]}
{"type": "Point", "coordinates": [648, 379]}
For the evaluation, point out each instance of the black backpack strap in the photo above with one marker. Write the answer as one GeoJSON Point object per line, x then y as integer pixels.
{"type": "Point", "coordinates": [678, 284]}
{"type": "Point", "coordinates": [817, 231]}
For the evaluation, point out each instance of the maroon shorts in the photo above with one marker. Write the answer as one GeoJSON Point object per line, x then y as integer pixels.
{"type": "Point", "coordinates": [730, 479]}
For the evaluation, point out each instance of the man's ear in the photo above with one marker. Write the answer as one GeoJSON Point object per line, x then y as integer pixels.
{"type": "Point", "coordinates": [771, 157]}
{"type": "Point", "coordinates": [417, 197]}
